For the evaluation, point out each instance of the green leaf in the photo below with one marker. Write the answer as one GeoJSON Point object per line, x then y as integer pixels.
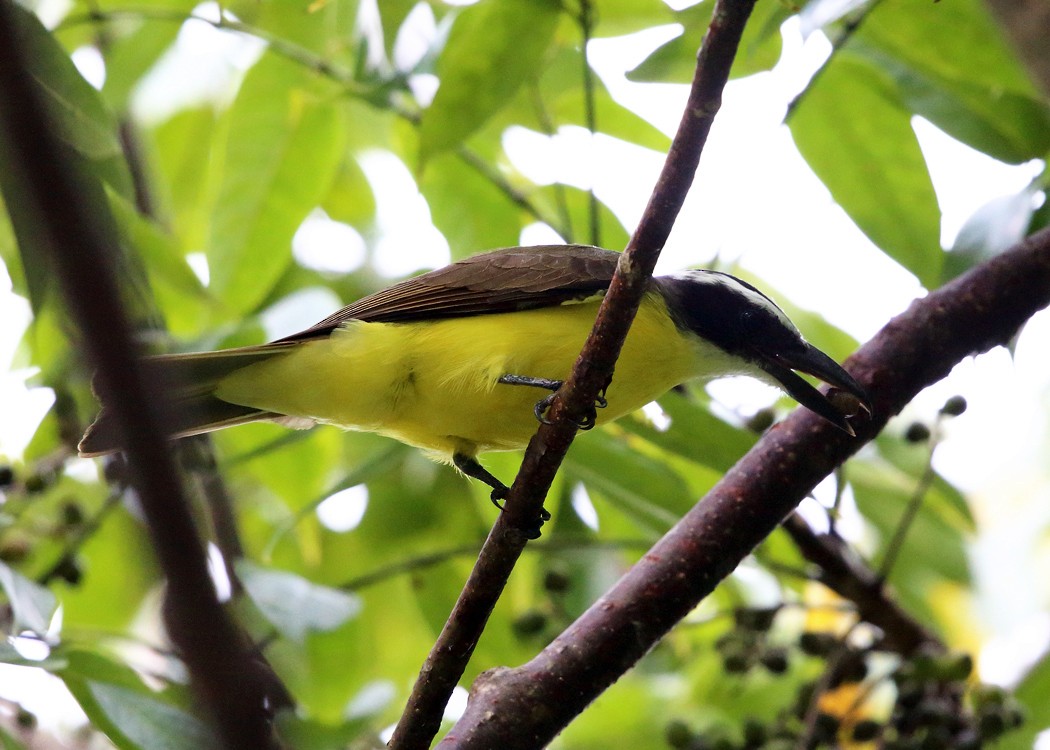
{"type": "Point", "coordinates": [10, 655]}
{"type": "Point", "coordinates": [9, 742]}
{"type": "Point", "coordinates": [694, 433]}
{"type": "Point", "coordinates": [322, 27]}
{"type": "Point", "coordinates": [350, 198]}
{"type": "Point", "coordinates": [131, 715]}
{"type": "Point", "coordinates": [1004, 124]}
{"type": "Point", "coordinates": [493, 48]}
{"type": "Point", "coordinates": [470, 210]}
{"type": "Point", "coordinates": [619, 17]}
{"type": "Point", "coordinates": [304, 733]}
{"type": "Point", "coordinates": [852, 128]}
{"type": "Point", "coordinates": [641, 484]}
{"type": "Point", "coordinates": [954, 68]}
{"type": "Point", "coordinates": [561, 92]}
{"type": "Point", "coordinates": [675, 60]}
{"type": "Point", "coordinates": [146, 722]}
{"type": "Point", "coordinates": [294, 605]}
{"type": "Point", "coordinates": [934, 549]}
{"type": "Point", "coordinates": [80, 118]}
{"type": "Point", "coordinates": [284, 146]}
{"type": "Point", "coordinates": [992, 228]}
{"type": "Point", "coordinates": [1032, 693]}
{"type": "Point", "coordinates": [32, 605]}
{"type": "Point", "coordinates": [130, 56]}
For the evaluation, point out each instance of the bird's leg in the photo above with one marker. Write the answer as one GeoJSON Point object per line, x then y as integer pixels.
{"type": "Point", "coordinates": [470, 466]}
{"type": "Point", "coordinates": [544, 403]}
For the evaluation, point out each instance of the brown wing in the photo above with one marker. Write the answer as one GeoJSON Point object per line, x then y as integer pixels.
{"type": "Point", "coordinates": [514, 278]}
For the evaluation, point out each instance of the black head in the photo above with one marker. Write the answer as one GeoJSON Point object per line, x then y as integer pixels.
{"type": "Point", "coordinates": [743, 322]}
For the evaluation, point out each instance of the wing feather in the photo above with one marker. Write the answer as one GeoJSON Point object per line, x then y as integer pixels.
{"type": "Point", "coordinates": [517, 278]}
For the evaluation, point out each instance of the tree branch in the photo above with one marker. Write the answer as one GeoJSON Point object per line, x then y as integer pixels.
{"type": "Point", "coordinates": [592, 372]}
{"type": "Point", "coordinates": [848, 577]}
{"type": "Point", "coordinates": [527, 706]}
{"type": "Point", "coordinates": [53, 194]}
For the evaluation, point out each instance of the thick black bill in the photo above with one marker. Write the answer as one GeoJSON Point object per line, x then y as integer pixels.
{"type": "Point", "coordinates": [812, 361]}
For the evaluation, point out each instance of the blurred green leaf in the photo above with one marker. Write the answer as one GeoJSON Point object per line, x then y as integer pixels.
{"type": "Point", "coordinates": [619, 17]}
{"type": "Point", "coordinates": [325, 28]}
{"type": "Point", "coordinates": [10, 655]}
{"type": "Point", "coordinates": [1031, 692]}
{"type": "Point", "coordinates": [470, 210]}
{"type": "Point", "coordinates": [131, 715]}
{"type": "Point", "coordinates": [32, 605]}
{"type": "Point", "coordinates": [294, 605]}
{"type": "Point", "coordinates": [130, 56]}
{"type": "Point", "coordinates": [934, 550]}
{"type": "Point", "coordinates": [9, 742]}
{"type": "Point", "coordinates": [283, 148]}
{"type": "Point", "coordinates": [853, 130]}
{"type": "Point", "coordinates": [992, 228]}
{"type": "Point", "coordinates": [304, 733]}
{"type": "Point", "coordinates": [494, 47]}
{"type": "Point", "coordinates": [185, 152]}
{"type": "Point", "coordinates": [694, 433]}
{"type": "Point", "coordinates": [675, 61]}
{"type": "Point", "coordinates": [641, 484]}
{"type": "Point", "coordinates": [145, 722]}
{"type": "Point", "coordinates": [81, 119]}
{"type": "Point", "coordinates": [350, 198]}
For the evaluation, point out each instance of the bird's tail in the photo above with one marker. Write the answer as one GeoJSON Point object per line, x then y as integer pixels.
{"type": "Point", "coordinates": [189, 380]}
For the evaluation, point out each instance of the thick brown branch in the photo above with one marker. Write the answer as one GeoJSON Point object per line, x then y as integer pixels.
{"type": "Point", "coordinates": [53, 195]}
{"type": "Point", "coordinates": [592, 372]}
{"type": "Point", "coordinates": [527, 706]}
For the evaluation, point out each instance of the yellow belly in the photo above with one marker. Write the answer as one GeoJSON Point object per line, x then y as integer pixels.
{"type": "Point", "coordinates": [434, 384]}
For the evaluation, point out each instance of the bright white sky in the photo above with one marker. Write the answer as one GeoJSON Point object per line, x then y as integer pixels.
{"type": "Point", "coordinates": [801, 242]}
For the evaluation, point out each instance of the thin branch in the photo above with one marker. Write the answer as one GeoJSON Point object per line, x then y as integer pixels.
{"type": "Point", "coordinates": [592, 372]}
{"type": "Point", "coordinates": [515, 196]}
{"type": "Point", "coordinates": [850, 578]}
{"type": "Point", "coordinates": [422, 562]}
{"type": "Point", "coordinates": [53, 195]}
{"type": "Point", "coordinates": [911, 511]}
{"type": "Point", "coordinates": [527, 706]}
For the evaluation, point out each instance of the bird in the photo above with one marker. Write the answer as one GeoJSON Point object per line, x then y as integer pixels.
{"type": "Point", "coordinates": [452, 361]}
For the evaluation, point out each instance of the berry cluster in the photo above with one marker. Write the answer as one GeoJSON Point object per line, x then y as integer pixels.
{"type": "Point", "coordinates": [936, 706]}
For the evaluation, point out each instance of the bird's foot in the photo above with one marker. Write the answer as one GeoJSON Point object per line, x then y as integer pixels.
{"type": "Point", "coordinates": [589, 419]}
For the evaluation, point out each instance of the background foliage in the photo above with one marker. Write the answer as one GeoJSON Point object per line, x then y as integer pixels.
{"type": "Point", "coordinates": [320, 89]}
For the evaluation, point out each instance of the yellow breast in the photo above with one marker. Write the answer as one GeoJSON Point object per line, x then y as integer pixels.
{"type": "Point", "coordinates": [435, 384]}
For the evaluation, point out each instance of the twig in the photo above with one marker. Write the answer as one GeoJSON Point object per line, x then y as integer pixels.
{"type": "Point", "coordinates": [52, 196]}
{"type": "Point", "coordinates": [848, 577]}
{"type": "Point", "coordinates": [911, 510]}
{"type": "Point", "coordinates": [421, 562]}
{"type": "Point", "coordinates": [81, 536]}
{"type": "Point", "coordinates": [591, 373]}
{"type": "Point", "coordinates": [515, 196]}
{"type": "Point", "coordinates": [527, 706]}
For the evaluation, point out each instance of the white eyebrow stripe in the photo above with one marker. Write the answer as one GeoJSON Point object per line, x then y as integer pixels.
{"type": "Point", "coordinates": [754, 296]}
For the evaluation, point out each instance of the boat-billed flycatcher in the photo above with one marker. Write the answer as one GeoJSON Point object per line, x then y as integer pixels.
{"type": "Point", "coordinates": [451, 361]}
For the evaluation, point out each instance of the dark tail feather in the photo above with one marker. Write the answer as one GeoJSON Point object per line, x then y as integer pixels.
{"type": "Point", "coordinates": [190, 380]}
